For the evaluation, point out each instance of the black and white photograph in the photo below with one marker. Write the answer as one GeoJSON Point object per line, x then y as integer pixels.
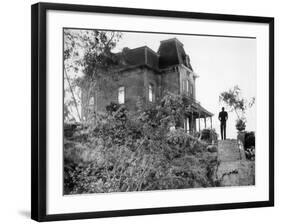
{"type": "Point", "coordinates": [127, 111]}
{"type": "Point", "coordinates": [146, 111]}
{"type": "Point", "coordinates": [149, 111]}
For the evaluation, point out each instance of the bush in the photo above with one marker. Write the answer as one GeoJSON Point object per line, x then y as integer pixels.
{"type": "Point", "coordinates": [209, 135]}
{"type": "Point", "coordinates": [250, 139]}
{"type": "Point", "coordinates": [249, 145]}
{"type": "Point", "coordinates": [240, 125]}
{"type": "Point", "coordinates": [135, 152]}
{"type": "Point", "coordinates": [69, 129]}
{"type": "Point", "coordinates": [151, 166]}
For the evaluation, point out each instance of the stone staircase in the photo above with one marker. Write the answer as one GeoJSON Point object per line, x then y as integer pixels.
{"type": "Point", "coordinates": [228, 150]}
{"type": "Point", "coordinates": [234, 169]}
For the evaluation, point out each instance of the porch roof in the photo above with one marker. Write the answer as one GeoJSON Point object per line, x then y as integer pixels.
{"type": "Point", "coordinates": [194, 107]}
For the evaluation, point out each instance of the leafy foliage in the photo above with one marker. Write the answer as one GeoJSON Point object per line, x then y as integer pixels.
{"type": "Point", "coordinates": [87, 58]}
{"type": "Point", "coordinates": [209, 135]}
{"type": "Point", "coordinates": [250, 142]}
{"type": "Point", "coordinates": [126, 151]}
{"type": "Point", "coordinates": [240, 124]}
{"type": "Point", "coordinates": [232, 98]}
{"type": "Point", "coordinates": [89, 49]}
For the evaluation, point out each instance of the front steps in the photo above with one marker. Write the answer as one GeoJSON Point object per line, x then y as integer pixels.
{"type": "Point", "coordinates": [233, 169]}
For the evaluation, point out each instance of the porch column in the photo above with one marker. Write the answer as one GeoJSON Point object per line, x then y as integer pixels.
{"type": "Point", "coordinates": [191, 126]}
{"type": "Point", "coordinates": [211, 123]}
{"type": "Point", "coordinates": [199, 122]}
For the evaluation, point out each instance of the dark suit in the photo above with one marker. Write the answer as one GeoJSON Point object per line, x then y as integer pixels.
{"type": "Point", "coordinates": [223, 116]}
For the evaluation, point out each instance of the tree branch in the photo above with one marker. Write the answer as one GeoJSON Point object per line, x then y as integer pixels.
{"type": "Point", "coordinates": [73, 96]}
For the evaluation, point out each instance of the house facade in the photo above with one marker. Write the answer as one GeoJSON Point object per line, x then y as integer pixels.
{"type": "Point", "coordinates": [146, 75]}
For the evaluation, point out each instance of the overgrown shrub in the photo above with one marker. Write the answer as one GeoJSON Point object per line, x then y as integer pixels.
{"type": "Point", "coordinates": [249, 145]}
{"type": "Point", "coordinates": [135, 152]}
{"type": "Point", "coordinates": [209, 135]}
{"type": "Point", "coordinates": [240, 124]}
{"type": "Point", "coordinates": [249, 139]}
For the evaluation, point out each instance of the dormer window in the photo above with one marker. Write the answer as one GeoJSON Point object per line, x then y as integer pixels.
{"type": "Point", "coordinates": [121, 95]}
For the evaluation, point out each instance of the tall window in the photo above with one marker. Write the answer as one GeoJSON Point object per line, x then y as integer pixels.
{"type": "Point", "coordinates": [183, 86]}
{"type": "Point", "coordinates": [150, 93]}
{"type": "Point", "coordinates": [187, 86]}
{"type": "Point", "coordinates": [121, 95]}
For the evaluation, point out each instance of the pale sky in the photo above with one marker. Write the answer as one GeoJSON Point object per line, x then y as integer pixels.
{"type": "Point", "coordinates": [220, 62]}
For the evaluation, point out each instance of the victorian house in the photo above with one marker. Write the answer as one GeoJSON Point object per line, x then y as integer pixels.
{"type": "Point", "coordinates": [147, 75]}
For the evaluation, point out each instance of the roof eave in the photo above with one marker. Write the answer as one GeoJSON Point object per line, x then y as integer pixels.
{"type": "Point", "coordinates": [136, 66]}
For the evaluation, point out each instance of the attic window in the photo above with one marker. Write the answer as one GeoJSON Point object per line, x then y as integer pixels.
{"type": "Point", "coordinates": [121, 95]}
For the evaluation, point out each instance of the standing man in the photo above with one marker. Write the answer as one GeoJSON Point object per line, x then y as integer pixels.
{"type": "Point", "coordinates": [223, 116]}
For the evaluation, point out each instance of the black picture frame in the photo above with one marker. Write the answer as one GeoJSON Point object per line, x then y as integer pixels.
{"type": "Point", "coordinates": [39, 108]}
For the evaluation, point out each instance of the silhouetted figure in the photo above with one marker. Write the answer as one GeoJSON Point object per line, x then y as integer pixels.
{"type": "Point", "coordinates": [223, 116]}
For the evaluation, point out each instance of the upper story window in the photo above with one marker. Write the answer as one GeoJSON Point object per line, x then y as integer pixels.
{"type": "Point", "coordinates": [121, 95]}
{"type": "Point", "coordinates": [187, 86]}
{"type": "Point", "coordinates": [150, 93]}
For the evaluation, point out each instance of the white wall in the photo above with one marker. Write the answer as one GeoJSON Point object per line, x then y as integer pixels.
{"type": "Point", "coordinates": [15, 109]}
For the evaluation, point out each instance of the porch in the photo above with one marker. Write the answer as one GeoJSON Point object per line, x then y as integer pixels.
{"type": "Point", "coordinates": [196, 116]}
